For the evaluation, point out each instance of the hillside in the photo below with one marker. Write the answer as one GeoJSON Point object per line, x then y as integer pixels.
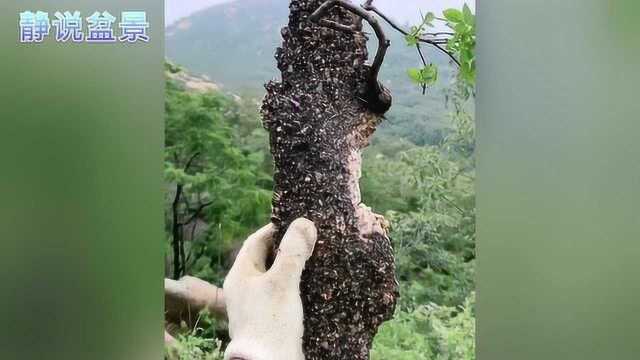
{"type": "Point", "coordinates": [233, 44]}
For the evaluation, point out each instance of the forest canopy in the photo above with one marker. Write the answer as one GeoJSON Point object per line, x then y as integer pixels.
{"type": "Point", "coordinates": [425, 191]}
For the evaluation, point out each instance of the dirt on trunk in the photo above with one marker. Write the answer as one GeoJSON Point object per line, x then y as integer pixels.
{"type": "Point", "coordinates": [318, 124]}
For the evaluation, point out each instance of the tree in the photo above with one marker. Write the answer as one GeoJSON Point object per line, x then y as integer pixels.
{"type": "Point", "coordinates": [319, 117]}
{"type": "Point", "coordinates": [212, 182]}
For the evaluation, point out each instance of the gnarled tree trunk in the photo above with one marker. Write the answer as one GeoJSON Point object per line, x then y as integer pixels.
{"type": "Point", "coordinates": [319, 119]}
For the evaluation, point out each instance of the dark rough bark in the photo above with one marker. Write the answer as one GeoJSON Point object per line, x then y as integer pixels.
{"type": "Point", "coordinates": [318, 124]}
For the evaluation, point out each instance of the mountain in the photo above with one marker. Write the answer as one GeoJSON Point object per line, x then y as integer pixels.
{"type": "Point", "coordinates": [233, 44]}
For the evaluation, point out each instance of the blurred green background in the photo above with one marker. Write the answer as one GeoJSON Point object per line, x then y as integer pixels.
{"type": "Point", "coordinates": [558, 176]}
{"type": "Point", "coordinates": [81, 219]}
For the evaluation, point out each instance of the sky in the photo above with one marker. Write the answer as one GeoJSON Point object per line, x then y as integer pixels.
{"type": "Point", "coordinates": [401, 10]}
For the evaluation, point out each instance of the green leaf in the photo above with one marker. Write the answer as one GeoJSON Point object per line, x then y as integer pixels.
{"type": "Point", "coordinates": [461, 28]}
{"type": "Point", "coordinates": [468, 16]}
{"type": "Point", "coordinates": [425, 76]}
{"type": "Point", "coordinates": [453, 15]}
{"type": "Point", "coordinates": [428, 19]}
{"type": "Point", "coordinates": [415, 75]}
{"type": "Point", "coordinates": [411, 39]}
{"type": "Point", "coordinates": [430, 74]}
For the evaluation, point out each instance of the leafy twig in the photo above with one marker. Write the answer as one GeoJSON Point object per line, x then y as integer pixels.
{"type": "Point", "coordinates": [434, 42]}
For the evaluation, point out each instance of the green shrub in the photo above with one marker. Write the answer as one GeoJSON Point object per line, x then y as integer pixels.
{"type": "Point", "coordinates": [429, 332]}
{"type": "Point", "coordinates": [193, 347]}
{"type": "Point", "coordinates": [199, 343]}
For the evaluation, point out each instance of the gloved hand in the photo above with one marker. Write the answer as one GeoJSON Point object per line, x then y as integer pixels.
{"type": "Point", "coordinates": [264, 307]}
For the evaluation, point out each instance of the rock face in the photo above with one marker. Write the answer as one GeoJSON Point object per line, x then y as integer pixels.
{"type": "Point", "coordinates": [318, 124]}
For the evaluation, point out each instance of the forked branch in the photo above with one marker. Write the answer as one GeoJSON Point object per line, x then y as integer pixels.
{"type": "Point", "coordinates": [377, 94]}
{"type": "Point", "coordinates": [377, 97]}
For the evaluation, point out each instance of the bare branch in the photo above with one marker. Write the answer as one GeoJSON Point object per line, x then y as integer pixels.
{"type": "Point", "coordinates": [179, 261]}
{"type": "Point", "coordinates": [337, 26]}
{"type": "Point", "coordinates": [446, 33]}
{"type": "Point", "coordinates": [424, 63]}
{"type": "Point", "coordinates": [196, 212]}
{"type": "Point", "coordinates": [437, 46]}
{"type": "Point", "coordinates": [191, 160]}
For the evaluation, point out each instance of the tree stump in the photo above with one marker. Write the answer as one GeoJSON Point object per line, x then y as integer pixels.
{"type": "Point", "coordinates": [319, 121]}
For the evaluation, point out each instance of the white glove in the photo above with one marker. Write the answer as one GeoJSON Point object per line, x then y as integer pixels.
{"type": "Point", "coordinates": [264, 307]}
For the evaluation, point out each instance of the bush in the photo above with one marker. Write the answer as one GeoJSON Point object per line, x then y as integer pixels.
{"type": "Point", "coordinates": [199, 343]}
{"type": "Point", "coordinates": [429, 332]}
{"type": "Point", "coordinates": [193, 347]}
